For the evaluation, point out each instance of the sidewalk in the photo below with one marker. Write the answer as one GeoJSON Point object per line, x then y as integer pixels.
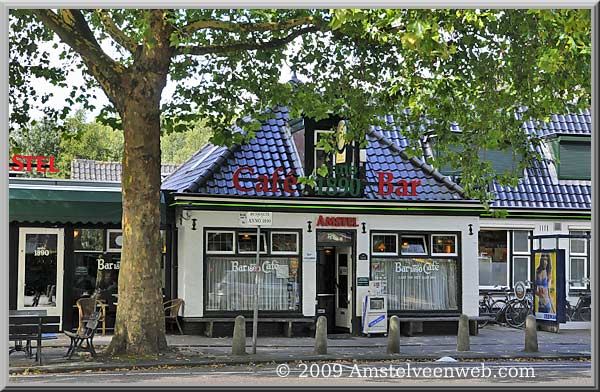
{"type": "Point", "coordinates": [493, 342]}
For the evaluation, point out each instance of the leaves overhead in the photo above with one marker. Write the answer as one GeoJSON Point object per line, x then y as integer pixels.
{"type": "Point", "coordinates": [486, 71]}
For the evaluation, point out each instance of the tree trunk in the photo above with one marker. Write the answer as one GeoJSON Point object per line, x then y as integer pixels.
{"type": "Point", "coordinates": [140, 326]}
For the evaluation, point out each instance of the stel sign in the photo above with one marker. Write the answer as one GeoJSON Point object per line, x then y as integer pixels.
{"type": "Point", "coordinates": [343, 180]}
{"type": "Point", "coordinates": [30, 163]}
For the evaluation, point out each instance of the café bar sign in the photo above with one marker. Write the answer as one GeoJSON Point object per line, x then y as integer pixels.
{"type": "Point", "coordinates": [342, 180]}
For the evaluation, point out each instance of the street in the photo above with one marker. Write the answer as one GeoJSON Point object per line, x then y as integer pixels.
{"type": "Point", "coordinates": [380, 373]}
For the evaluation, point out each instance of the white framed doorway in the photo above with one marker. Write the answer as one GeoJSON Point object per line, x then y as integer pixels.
{"type": "Point", "coordinates": [344, 289]}
{"type": "Point", "coordinates": [41, 270]}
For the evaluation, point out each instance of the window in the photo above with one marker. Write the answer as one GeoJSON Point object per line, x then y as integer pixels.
{"type": "Point", "coordinates": [521, 256]}
{"type": "Point", "coordinates": [230, 283]}
{"type": "Point", "coordinates": [578, 261]}
{"type": "Point", "coordinates": [284, 243]}
{"type": "Point", "coordinates": [219, 242]}
{"type": "Point", "coordinates": [442, 244]}
{"type": "Point", "coordinates": [493, 258]}
{"type": "Point", "coordinates": [384, 244]}
{"type": "Point", "coordinates": [247, 242]}
{"type": "Point", "coordinates": [413, 245]}
{"type": "Point", "coordinates": [418, 283]}
{"type": "Point", "coordinates": [574, 158]}
{"type": "Point", "coordinates": [500, 160]}
{"type": "Point", "coordinates": [88, 240]}
{"type": "Point", "coordinates": [115, 240]}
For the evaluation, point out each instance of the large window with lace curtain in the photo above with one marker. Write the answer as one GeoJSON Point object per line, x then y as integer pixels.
{"type": "Point", "coordinates": [230, 279]}
{"type": "Point", "coordinates": [424, 282]}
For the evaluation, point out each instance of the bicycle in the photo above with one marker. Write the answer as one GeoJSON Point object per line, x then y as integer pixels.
{"type": "Point", "coordinates": [493, 308]}
{"type": "Point", "coordinates": [518, 309]}
{"type": "Point", "coordinates": [582, 311]}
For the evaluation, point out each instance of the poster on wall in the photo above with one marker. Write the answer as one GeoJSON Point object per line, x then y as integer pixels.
{"type": "Point", "coordinates": [549, 292]}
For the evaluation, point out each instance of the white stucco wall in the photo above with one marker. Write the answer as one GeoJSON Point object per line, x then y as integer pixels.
{"type": "Point", "coordinates": [191, 243]}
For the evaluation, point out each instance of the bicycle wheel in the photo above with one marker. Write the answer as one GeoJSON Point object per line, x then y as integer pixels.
{"type": "Point", "coordinates": [516, 313]}
{"type": "Point", "coordinates": [498, 309]}
{"type": "Point", "coordinates": [484, 311]}
{"type": "Point", "coordinates": [584, 314]}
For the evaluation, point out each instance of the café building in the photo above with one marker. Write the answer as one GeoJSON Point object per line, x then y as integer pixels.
{"type": "Point", "coordinates": [376, 215]}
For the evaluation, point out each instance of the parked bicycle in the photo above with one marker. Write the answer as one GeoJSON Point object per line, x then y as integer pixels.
{"type": "Point", "coordinates": [582, 311]}
{"type": "Point", "coordinates": [519, 308]}
{"type": "Point", "coordinates": [494, 308]}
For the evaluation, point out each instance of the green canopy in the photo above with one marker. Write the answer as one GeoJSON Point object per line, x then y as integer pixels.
{"type": "Point", "coordinates": [64, 206]}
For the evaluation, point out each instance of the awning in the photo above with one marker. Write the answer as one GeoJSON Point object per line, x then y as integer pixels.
{"type": "Point", "coordinates": [64, 206]}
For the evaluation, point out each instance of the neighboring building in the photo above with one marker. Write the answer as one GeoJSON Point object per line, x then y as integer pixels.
{"type": "Point", "coordinates": [90, 170]}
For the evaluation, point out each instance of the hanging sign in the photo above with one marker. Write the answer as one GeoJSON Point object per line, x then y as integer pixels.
{"type": "Point", "coordinates": [340, 155]}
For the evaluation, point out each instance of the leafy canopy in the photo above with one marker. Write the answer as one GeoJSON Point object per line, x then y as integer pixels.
{"type": "Point", "coordinates": [486, 71]}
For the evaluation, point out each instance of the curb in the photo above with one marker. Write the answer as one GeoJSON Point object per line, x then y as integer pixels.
{"type": "Point", "coordinates": [248, 360]}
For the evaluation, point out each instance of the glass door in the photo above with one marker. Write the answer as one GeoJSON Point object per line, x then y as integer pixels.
{"type": "Point", "coordinates": [343, 298]}
{"type": "Point", "coordinates": [41, 253]}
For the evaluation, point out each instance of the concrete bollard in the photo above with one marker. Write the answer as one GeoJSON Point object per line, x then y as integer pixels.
{"type": "Point", "coordinates": [393, 346]}
{"type": "Point", "coordinates": [462, 343]}
{"type": "Point", "coordinates": [321, 336]}
{"type": "Point", "coordinates": [531, 342]}
{"type": "Point", "coordinates": [238, 346]}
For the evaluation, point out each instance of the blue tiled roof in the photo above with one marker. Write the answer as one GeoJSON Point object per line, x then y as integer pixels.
{"type": "Point", "coordinates": [569, 124]}
{"type": "Point", "coordinates": [540, 188]}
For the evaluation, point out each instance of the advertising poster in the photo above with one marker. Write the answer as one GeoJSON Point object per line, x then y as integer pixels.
{"type": "Point", "coordinates": [545, 286]}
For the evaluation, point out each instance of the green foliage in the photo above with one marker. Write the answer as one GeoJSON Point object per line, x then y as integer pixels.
{"type": "Point", "coordinates": [177, 147]}
{"type": "Point", "coordinates": [476, 68]}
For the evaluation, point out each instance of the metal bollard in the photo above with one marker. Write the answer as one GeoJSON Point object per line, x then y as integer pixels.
{"type": "Point", "coordinates": [531, 342]}
{"type": "Point", "coordinates": [393, 346]}
{"type": "Point", "coordinates": [463, 334]}
{"type": "Point", "coordinates": [321, 336]}
{"type": "Point", "coordinates": [238, 346]}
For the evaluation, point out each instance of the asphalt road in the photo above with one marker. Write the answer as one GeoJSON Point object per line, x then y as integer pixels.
{"type": "Point", "coordinates": [382, 373]}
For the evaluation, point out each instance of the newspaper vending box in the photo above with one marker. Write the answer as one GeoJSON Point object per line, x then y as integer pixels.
{"type": "Point", "coordinates": [374, 318]}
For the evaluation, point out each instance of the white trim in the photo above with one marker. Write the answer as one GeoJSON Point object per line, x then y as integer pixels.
{"type": "Point", "coordinates": [57, 309]}
{"type": "Point", "coordinates": [444, 235]}
{"type": "Point", "coordinates": [512, 262]}
{"type": "Point", "coordinates": [383, 253]}
{"type": "Point", "coordinates": [252, 252]}
{"type": "Point", "coordinates": [221, 252]}
{"type": "Point", "coordinates": [521, 252]}
{"type": "Point", "coordinates": [108, 232]}
{"type": "Point", "coordinates": [585, 273]}
{"type": "Point", "coordinates": [285, 252]}
{"type": "Point", "coordinates": [425, 253]}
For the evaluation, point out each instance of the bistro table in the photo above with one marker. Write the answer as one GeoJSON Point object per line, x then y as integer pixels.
{"type": "Point", "coordinates": [19, 337]}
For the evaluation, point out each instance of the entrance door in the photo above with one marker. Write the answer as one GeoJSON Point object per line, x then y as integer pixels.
{"type": "Point", "coordinates": [41, 253]}
{"type": "Point", "coordinates": [343, 292]}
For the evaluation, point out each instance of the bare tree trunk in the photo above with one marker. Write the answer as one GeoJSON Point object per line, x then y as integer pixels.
{"type": "Point", "coordinates": [140, 326]}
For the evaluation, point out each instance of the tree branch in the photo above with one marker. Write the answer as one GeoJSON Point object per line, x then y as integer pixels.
{"type": "Point", "coordinates": [247, 46]}
{"type": "Point", "coordinates": [246, 27]}
{"type": "Point", "coordinates": [117, 34]}
{"type": "Point", "coordinates": [72, 28]}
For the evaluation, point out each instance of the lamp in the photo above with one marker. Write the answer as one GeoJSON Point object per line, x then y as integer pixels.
{"type": "Point", "coordinates": [309, 226]}
{"type": "Point", "coordinates": [75, 233]}
{"type": "Point", "coordinates": [381, 247]}
{"type": "Point", "coordinates": [364, 227]}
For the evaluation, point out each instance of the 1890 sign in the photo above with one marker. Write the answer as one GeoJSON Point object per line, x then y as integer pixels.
{"type": "Point", "coordinates": [342, 181]}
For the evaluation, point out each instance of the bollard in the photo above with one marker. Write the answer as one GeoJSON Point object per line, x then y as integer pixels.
{"type": "Point", "coordinates": [238, 346]}
{"type": "Point", "coordinates": [393, 346]}
{"type": "Point", "coordinates": [321, 336]}
{"type": "Point", "coordinates": [463, 333]}
{"type": "Point", "coordinates": [531, 342]}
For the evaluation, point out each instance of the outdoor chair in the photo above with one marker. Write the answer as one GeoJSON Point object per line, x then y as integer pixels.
{"type": "Point", "coordinates": [86, 307]}
{"type": "Point", "coordinates": [172, 310]}
{"type": "Point", "coordinates": [85, 335]}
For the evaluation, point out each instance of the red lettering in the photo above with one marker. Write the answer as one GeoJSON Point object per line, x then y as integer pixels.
{"type": "Point", "coordinates": [289, 182]}
{"type": "Point", "coordinates": [321, 221]}
{"type": "Point", "coordinates": [402, 189]}
{"type": "Point", "coordinates": [274, 182]}
{"type": "Point", "coordinates": [29, 158]}
{"type": "Point", "coordinates": [17, 160]}
{"type": "Point", "coordinates": [263, 184]}
{"type": "Point", "coordinates": [40, 164]}
{"type": "Point", "coordinates": [414, 184]}
{"type": "Point", "coordinates": [52, 169]}
{"type": "Point", "coordinates": [236, 178]}
{"type": "Point", "coordinates": [385, 179]}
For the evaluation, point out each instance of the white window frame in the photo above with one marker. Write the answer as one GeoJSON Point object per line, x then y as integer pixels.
{"type": "Point", "coordinates": [252, 252]}
{"type": "Point", "coordinates": [374, 253]}
{"type": "Point", "coordinates": [444, 235]}
{"type": "Point", "coordinates": [108, 233]}
{"type": "Point", "coordinates": [575, 255]}
{"type": "Point", "coordinates": [521, 253]}
{"type": "Point", "coordinates": [508, 259]}
{"type": "Point", "coordinates": [220, 252]}
{"type": "Point", "coordinates": [414, 254]}
{"type": "Point", "coordinates": [287, 252]}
